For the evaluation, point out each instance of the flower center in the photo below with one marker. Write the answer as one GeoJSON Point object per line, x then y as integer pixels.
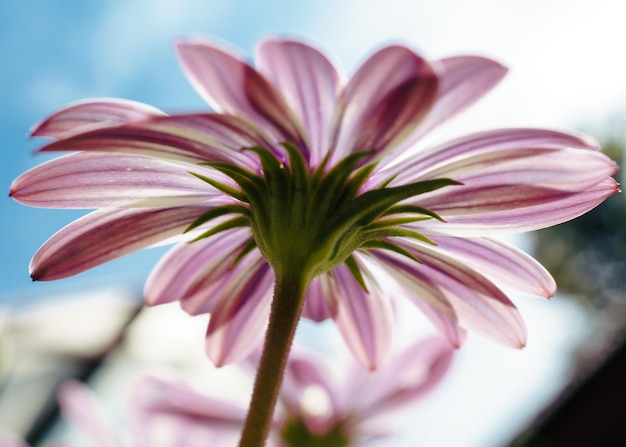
{"type": "Point", "coordinates": [311, 221]}
{"type": "Point", "coordinates": [295, 433]}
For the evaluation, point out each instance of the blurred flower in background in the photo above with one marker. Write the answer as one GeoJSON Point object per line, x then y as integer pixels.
{"type": "Point", "coordinates": [320, 404]}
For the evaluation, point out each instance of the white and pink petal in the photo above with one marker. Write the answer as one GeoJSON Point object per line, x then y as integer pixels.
{"type": "Point", "coordinates": [177, 274]}
{"type": "Point", "coordinates": [384, 101]}
{"type": "Point", "coordinates": [504, 264]}
{"type": "Point", "coordinates": [232, 86]}
{"type": "Point", "coordinates": [478, 304]}
{"type": "Point", "coordinates": [192, 138]}
{"type": "Point", "coordinates": [100, 180]}
{"type": "Point", "coordinates": [239, 318]}
{"type": "Point", "coordinates": [92, 114]}
{"type": "Point", "coordinates": [107, 234]}
{"type": "Point", "coordinates": [310, 84]}
{"type": "Point", "coordinates": [364, 318]}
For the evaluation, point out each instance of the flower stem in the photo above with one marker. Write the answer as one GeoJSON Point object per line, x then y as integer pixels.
{"type": "Point", "coordinates": [289, 293]}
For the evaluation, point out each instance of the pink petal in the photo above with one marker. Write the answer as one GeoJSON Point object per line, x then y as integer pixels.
{"type": "Point", "coordinates": [100, 180]}
{"type": "Point", "coordinates": [84, 410]}
{"type": "Point", "coordinates": [239, 318]}
{"type": "Point", "coordinates": [508, 143]}
{"type": "Point", "coordinates": [315, 305]}
{"type": "Point", "coordinates": [425, 295]}
{"type": "Point", "coordinates": [156, 395]}
{"type": "Point", "coordinates": [230, 85]}
{"type": "Point", "coordinates": [384, 101]}
{"type": "Point", "coordinates": [463, 81]}
{"type": "Point", "coordinates": [206, 261]}
{"type": "Point", "coordinates": [504, 264]}
{"type": "Point", "coordinates": [172, 414]}
{"type": "Point", "coordinates": [107, 234]}
{"type": "Point", "coordinates": [194, 138]}
{"type": "Point", "coordinates": [513, 180]}
{"type": "Point", "coordinates": [365, 319]}
{"type": "Point", "coordinates": [479, 305]}
{"type": "Point", "coordinates": [404, 380]}
{"type": "Point", "coordinates": [92, 114]}
{"type": "Point", "coordinates": [308, 81]}
{"type": "Point", "coordinates": [506, 209]}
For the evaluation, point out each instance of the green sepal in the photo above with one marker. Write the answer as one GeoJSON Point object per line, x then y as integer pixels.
{"type": "Point", "coordinates": [370, 205]}
{"type": "Point", "coordinates": [401, 209]}
{"type": "Point", "coordinates": [394, 222]}
{"type": "Point", "coordinates": [369, 235]}
{"type": "Point", "coordinates": [388, 181]}
{"type": "Point", "coordinates": [238, 195]}
{"type": "Point", "coordinates": [356, 272]}
{"type": "Point", "coordinates": [381, 244]}
{"type": "Point", "coordinates": [299, 169]}
{"type": "Point", "coordinates": [250, 245]}
{"type": "Point", "coordinates": [273, 171]}
{"type": "Point", "coordinates": [217, 212]}
{"type": "Point", "coordinates": [357, 180]}
{"type": "Point", "coordinates": [235, 222]}
{"type": "Point", "coordinates": [250, 183]}
{"type": "Point", "coordinates": [328, 193]}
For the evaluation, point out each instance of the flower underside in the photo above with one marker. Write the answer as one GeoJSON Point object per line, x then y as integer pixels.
{"type": "Point", "coordinates": [312, 221]}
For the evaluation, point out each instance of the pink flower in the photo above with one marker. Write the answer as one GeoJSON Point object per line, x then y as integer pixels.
{"type": "Point", "coordinates": [316, 403]}
{"type": "Point", "coordinates": [295, 170]}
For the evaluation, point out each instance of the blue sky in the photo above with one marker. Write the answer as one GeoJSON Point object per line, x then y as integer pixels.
{"type": "Point", "coordinates": [566, 72]}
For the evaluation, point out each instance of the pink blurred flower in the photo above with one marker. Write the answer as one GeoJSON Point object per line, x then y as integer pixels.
{"type": "Point", "coordinates": [316, 403]}
{"type": "Point", "coordinates": [132, 163]}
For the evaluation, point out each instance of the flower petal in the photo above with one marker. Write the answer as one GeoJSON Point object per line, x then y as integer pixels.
{"type": "Point", "coordinates": [502, 263]}
{"type": "Point", "coordinates": [204, 261]}
{"type": "Point", "coordinates": [513, 180]}
{"type": "Point", "coordinates": [92, 114]}
{"type": "Point", "coordinates": [308, 81]}
{"type": "Point", "coordinates": [315, 305]}
{"type": "Point", "coordinates": [479, 305]}
{"type": "Point", "coordinates": [463, 81]}
{"type": "Point", "coordinates": [440, 160]}
{"type": "Point", "coordinates": [407, 377]}
{"type": "Point", "coordinates": [230, 85]}
{"type": "Point", "coordinates": [365, 319]}
{"type": "Point", "coordinates": [157, 395]}
{"type": "Point", "coordinates": [239, 319]}
{"type": "Point", "coordinates": [506, 209]}
{"type": "Point", "coordinates": [107, 234]}
{"type": "Point", "coordinates": [172, 414]}
{"type": "Point", "coordinates": [100, 180]}
{"type": "Point", "coordinates": [194, 138]}
{"type": "Point", "coordinates": [81, 407]}
{"type": "Point", "coordinates": [384, 101]}
{"type": "Point", "coordinates": [425, 295]}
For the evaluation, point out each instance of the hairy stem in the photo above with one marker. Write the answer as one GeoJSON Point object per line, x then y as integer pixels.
{"type": "Point", "coordinates": [289, 293]}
